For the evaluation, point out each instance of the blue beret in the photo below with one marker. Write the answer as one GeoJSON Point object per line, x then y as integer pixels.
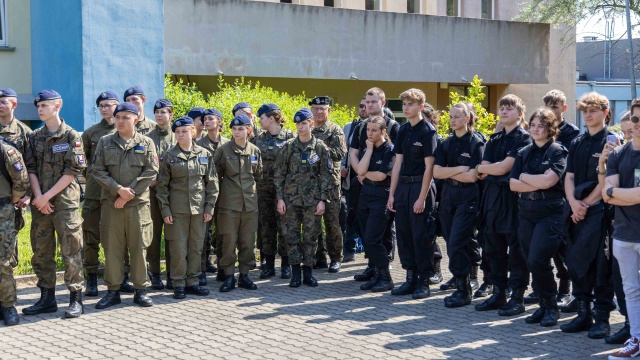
{"type": "Point", "coordinates": [240, 120]}
{"type": "Point", "coordinates": [8, 92]}
{"type": "Point", "coordinates": [162, 103]}
{"type": "Point", "coordinates": [266, 108]}
{"type": "Point", "coordinates": [182, 121]}
{"type": "Point", "coordinates": [302, 115]}
{"type": "Point", "coordinates": [321, 100]}
{"type": "Point", "coordinates": [126, 107]}
{"type": "Point", "coordinates": [45, 95]}
{"type": "Point", "coordinates": [195, 112]}
{"type": "Point", "coordinates": [240, 105]}
{"type": "Point", "coordinates": [107, 95]}
{"type": "Point", "coordinates": [212, 111]}
{"type": "Point", "coordinates": [134, 90]}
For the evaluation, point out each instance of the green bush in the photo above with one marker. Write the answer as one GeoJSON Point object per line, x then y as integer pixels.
{"type": "Point", "coordinates": [186, 96]}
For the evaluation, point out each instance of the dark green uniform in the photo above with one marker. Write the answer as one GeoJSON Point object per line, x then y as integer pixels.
{"type": "Point", "coordinates": [145, 126]}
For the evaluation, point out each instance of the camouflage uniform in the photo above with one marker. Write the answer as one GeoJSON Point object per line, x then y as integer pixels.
{"type": "Point", "coordinates": [92, 192]}
{"type": "Point", "coordinates": [49, 157]}
{"type": "Point", "coordinates": [333, 136]}
{"type": "Point", "coordinates": [133, 164]}
{"type": "Point", "coordinates": [8, 234]}
{"type": "Point", "coordinates": [211, 233]}
{"type": "Point", "coordinates": [164, 140]}
{"type": "Point", "coordinates": [270, 221]}
{"type": "Point", "coordinates": [145, 126]}
{"type": "Point", "coordinates": [238, 169]}
{"type": "Point", "coordinates": [187, 189]}
{"type": "Point", "coordinates": [302, 179]}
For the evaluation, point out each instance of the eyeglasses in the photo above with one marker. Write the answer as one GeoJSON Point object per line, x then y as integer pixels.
{"type": "Point", "coordinates": [362, 106]}
{"type": "Point", "coordinates": [635, 119]}
{"type": "Point", "coordinates": [107, 106]}
{"type": "Point", "coordinates": [5, 103]}
{"type": "Point", "coordinates": [319, 109]}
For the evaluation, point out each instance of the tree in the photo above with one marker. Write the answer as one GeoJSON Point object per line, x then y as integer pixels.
{"type": "Point", "coordinates": [571, 12]}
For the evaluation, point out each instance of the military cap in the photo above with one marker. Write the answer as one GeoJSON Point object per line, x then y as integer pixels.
{"type": "Point", "coordinates": [241, 119]}
{"type": "Point", "coordinates": [240, 105]}
{"type": "Point", "coordinates": [321, 100]}
{"type": "Point", "coordinates": [212, 111]}
{"type": "Point", "coordinates": [8, 92]}
{"type": "Point", "coordinates": [182, 121]}
{"type": "Point", "coordinates": [45, 95]}
{"type": "Point", "coordinates": [107, 95]}
{"type": "Point", "coordinates": [161, 104]}
{"type": "Point", "coordinates": [126, 107]}
{"type": "Point", "coordinates": [302, 115]}
{"type": "Point", "coordinates": [267, 108]}
{"type": "Point", "coordinates": [195, 112]}
{"type": "Point", "coordinates": [134, 90]}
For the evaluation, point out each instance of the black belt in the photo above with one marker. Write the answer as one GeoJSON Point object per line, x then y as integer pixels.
{"type": "Point", "coordinates": [376, 183]}
{"type": "Point", "coordinates": [540, 195]}
{"type": "Point", "coordinates": [456, 183]}
{"type": "Point", "coordinates": [410, 179]}
{"type": "Point", "coordinates": [5, 201]}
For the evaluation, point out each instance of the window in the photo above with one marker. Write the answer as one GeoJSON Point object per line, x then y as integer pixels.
{"type": "Point", "coordinates": [453, 7]}
{"type": "Point", "coordinates": [372, 5]}
{"type": "Point", "coordinates": [285, 1]}
{"type": "Point", "coordinates": [487, 9]}
{"type": "Point", "coordinates": [414, 6]}
{"type": "Point", "coordinates": [328, 3]}
{"type": "Point", "coordinates": [3, 23]}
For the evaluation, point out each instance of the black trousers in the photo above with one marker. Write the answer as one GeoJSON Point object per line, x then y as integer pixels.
{"type": "Point", "coordinates": [540, 233]}
{"type": "Point", "coordinates": [373, 217]}
{"type": "Point", "coordinates": [508, 265]}
{"type": "Point", "coordinates": [483, 261]}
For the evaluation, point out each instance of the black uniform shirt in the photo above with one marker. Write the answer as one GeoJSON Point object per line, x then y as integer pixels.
{"type": "Point", "coordinates": [502, 145]}
{"type": "Point", "coordinates": [359, 142]}
{"type": "Point", "coordinates": [568, 132]}
{"type": "Point", "coordinates": [459, 152]}
{"type": "Point", "coordinates": [539, 159]}
{"type": "Point", "coordinates": [415, 143]}
{"type": "Point", "coordinates": [583, 156]}
{"type": "Point", "coordinates": [625, 162]}
{"type": "Point", "coordinates": [382, 160]}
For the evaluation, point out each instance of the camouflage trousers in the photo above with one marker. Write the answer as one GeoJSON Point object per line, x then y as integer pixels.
{"type": "Point", "coordinates": [302, 249]}
{"type": "Point", "coordinates": [271, 227]}
{"type": "Point", "coordinates": [331, 243]}
{"type": "Point", "coordinates": [154, 252]}
{"type": "Point", "coordinates": [91, 235]}
{"type": "Point", "coordinates": [8, 240]}
{"type": "Point", "coordinates": [66, 225]}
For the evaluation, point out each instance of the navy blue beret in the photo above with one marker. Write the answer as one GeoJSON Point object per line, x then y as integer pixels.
{"type": "Point", "coordinates": [7, 92]}
{"type": "Point", "coordinates": [107, 95]}
{"type": "Point", "coordinates": [126, 107]}
{"type": "Point", "coordinates": [240, 105]}
{"type": "Point", "coordinates": [240, 120]}
{"type": "Point", "coordinates": [182, 121]}
{"type": "Point", "coordinates": [212, 111]}
{"type": "Point", "coordinates": [266, 108]}
{"type": "Point", "coordinates": [302, 115]}
{"type": "Point", "coordinates": [320, 100]}
{"type": "Point", "coordinates": [134, 90]}
{"type": "Point", "coordinates": [45, 95]}
{"type": "Point", "coordinates": [162, 103]}
{"type": "Point", "coordinates": [195, 112]}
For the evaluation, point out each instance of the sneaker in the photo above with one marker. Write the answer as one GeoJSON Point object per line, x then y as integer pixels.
{"type": "Point", "coordinates": [632, 350]}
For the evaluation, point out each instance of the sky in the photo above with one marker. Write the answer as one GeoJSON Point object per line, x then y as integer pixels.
{"type": "Point", "coordinates": [596, 25]}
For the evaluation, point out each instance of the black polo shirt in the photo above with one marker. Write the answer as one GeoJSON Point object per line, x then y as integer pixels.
{"type": "Point", "coordinates": [359, 142]}
{"type": "Point", "coordinates": [624, 161]}
{"type": "Point", "coordinates": [415, 143]}
{"type": "Point", "coordinates": [502, 145]}
{"type": "Point", "coordinates": [568, 132]}
{"type": "Point", "coordinates": [382, 160]}
{"type": "Point", "coordinates": [459, 151]}
{"type": "Point", "coordinates": [540, 159]}
{"type": "Point", "coordinates": [584, 154]}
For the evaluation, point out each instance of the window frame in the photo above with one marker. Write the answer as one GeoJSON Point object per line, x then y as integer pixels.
{"type": "Point", "coordinates": [3, 27]}
{"type": "Point", "coordinates": [492, 14]}
{"type": "Point", "coordinates": [457, 6]}
{"type": "Point", "coordinates": [418, 9]}
{"type": "Point", "coordinates": [377, 5]}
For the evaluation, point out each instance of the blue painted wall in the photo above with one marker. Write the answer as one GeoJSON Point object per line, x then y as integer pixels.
{"type": "Point", "coordinates": [84, 47]}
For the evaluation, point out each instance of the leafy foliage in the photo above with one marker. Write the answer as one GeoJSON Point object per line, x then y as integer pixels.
{"type": "Point", "coordinates": [570, 12]}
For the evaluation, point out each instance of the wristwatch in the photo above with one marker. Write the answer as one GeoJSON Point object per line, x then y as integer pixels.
{"type": "Point", "coordinates": [610, 192]}
{"type": "Point", "coordinates": [600, 172]}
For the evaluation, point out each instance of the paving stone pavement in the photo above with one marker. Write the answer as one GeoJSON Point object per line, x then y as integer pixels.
{"type": "Point", "coordinates": [336, 320]}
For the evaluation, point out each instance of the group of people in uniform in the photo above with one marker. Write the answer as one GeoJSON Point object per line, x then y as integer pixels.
{"type": "Point", "coordinates": [534, 192]}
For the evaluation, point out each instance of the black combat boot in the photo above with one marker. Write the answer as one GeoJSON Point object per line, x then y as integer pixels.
{"type": "Point", "coordinates": [210, 268]}
{"type": "Point", "coordinates": [156, 282]}
{"type": "Point", "coordinates": [582, 322]}
{"type": "Point", "coordinates": [112, 298]}
{"type": "Point", "coordinates": [449, 285]}
{"type": "Point", "coordinates": [92, 285]}
{"type": "Point", "coordinates": [496, 301]}
{"type": "Point", "coordinates": [621, 336]}
{"type": "Point", "coordinates": [202, 279]}
{"type": "Point", "coordinates": [169, 281]}
{"type": "Point", "coordinates": [9, 315]}
{"type": "Point", "coordinates": [409, 286]}
{"type": "Point", "coordinates": [366, 275]}
{"type": "Point", "coordinates": [196, 290]}
{"type": "Point", "coordinates": [473, 278]}
{"type": "Point", "coordinates": [141, 298]}
{"type": "Point", "coordinates": [571, 307]}
{"type": "Point", "coordinates": [269, 268]}
{"type": "Point", "coordinates": [221, 276]}
{"type": "Point", "coordinates": [537, 315]}
{"type": "Point", "coordinates": [125, 287]}
{"type": "Point", "coordinates": [515, 305]}
{"type": "Point", "coordinates": [551, 312]}
{"type": "Point", "coordinates": [532, 298]}
{"type": "Point", "coordinates": [385, 283]}
{"type": "Point", "coordinates": [422, 290]}
{"type": "Point", "coordinates": [564, 293]}
{"type": "Point", "coordinates": [179, 293]}
{"type": "Point", "coordinates": [285, 268]}
{"type": "Point", "coordinates": [296, 276]}
{"type": "Point", "coordinates": [601, 328]}
{"type": "Point", "coordinates": [262, 260]}
{"type": "Point", "coordinates": [321, 263]}
{"type": "Point", "coordinates": [307, 276]}
{"type": "Point", "coordinates": [485, 288]}
{"type": "Point", "coordinates": [437, 274]}
{"type": "Point", "coordinates": [229, 283]}
{"type": "Point", "coordinates": [46, 304]}
{"type": "Point", "coordinates": [246, 283]}
{"type": "Point", "coordinates": [373, 281]}
{"type": "Point", "coordinates": [75, 308]}
{"type": "Point", "coordinates": [462, 295]}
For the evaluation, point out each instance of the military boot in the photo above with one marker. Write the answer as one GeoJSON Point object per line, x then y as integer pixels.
{"type": "Point", "coordinates": [485, 288]}
{"type": "Point", "coordinates": [9, 315]}
{"type": "Point", "coordinates": [75, 308]}
{"type": "Point", "coordinates": [221, 275]}
{"type": "Point", "coordinates": [196, 290]}
{"type": "Point", "coordinates": [551, 312]}
{"type": "Point", "coordinates": [601, 328]}
{"type": "Point", "coordinates": [422, 290]}
{"type": "Point", "coordinates": [246, 283]}
{"type": "Point", "coordinates": [321, 263]}
{"type": "Point", "coordinates": [473, 278]}
{"type": "Point", "coordinates": [112, 298]}
{"type": "Point", "coordinates": [373, 281]}
{"type": "Point", "coordinates": [46, 304]}
{"type": "Point", "coordinates": [462, 295]}
{"type": "Point", "coordinates": [449, 285]}
{"type": "Point", "coordinates": [366, 275]}
{"type": "Point", "coordinates": [269, 268]}
{"type": "Point", "coordinates": [496, 301]}
{"type": "Point", "coordinates": [385, 282]}
{"type": "Point", "coordinates": [571, 307]}
{"type": "Point", "coordinates": [295, 276]}
{"type": "Point", "coordinates": [621, 336]}
{"type": "Point", "coordinates": [532, 298]}
{"type": "Point", "coordinates": [169, 281]}
{"type": "Point", "coordinates": [582, 322]}
{"type": "Point", "coordinates": [409, 286]}
{"type": "Point", "coordinates": [229, 283]}
{"type": "Point", "coordinates": [285, 268]}
{"type": "Point", "coordinates": [537, 315]}
{"type": "Point", "coordinates": [156, 282]}
{"type": "Point", "coordinates": [210, 268]}
{"type": "Point", "coordinates": [141, 298]}
{"type": "Point", "coordinates": [125, 287]}
{"type": "Point", "coordinates": [92, 285]}
{"type": "Point", "coordinates": [437, 274]}
{"type": "Point", "coordinates": [564, 293]}
{"type": "Point", "coordinates": [307, 276]}
{"type": "Point", "coordinates": [202, 279]}
{"type": "Point", "coordinates": [515, 305]}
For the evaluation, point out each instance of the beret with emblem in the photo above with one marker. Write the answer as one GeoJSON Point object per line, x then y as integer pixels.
{"type": "Point", "coordinates": [321, 100]}
{"type": "Point", "coordinates": [212, 111]}
{"type": "Point", "coordinates": [45, 95]}
{"type": "Point", "coordinates": [240, 105]}
{"type": "Point", "coordinates": [195, 112]}
{"type": "Point", "coordinates": [107, 95]}
{"type": "Point", "coordinates": [126, 107]}
{"type": "Point", "coordinates": [267, 108]}
{"type": "Point", "coordinates": [182, 121]}
{"type": "Point", "coordinates": [302, 115]}
{"type": "Point", "coordinates": [161, 104]}
{"type": "Point", "coordinates": [239, 120]}
{"type": "Point", "coordinates": [8, 92]}
{"type": "Point", "coordinates": [134, 90]}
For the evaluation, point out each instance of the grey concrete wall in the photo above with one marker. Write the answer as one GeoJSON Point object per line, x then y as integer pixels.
{"type": "Point", "coordinates": [203, 37]}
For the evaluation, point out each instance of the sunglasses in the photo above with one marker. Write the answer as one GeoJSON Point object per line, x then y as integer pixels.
{"type": "Point", "coordinates": [362, 106]}
{"type": "Point", "coordinates": [635, 119]}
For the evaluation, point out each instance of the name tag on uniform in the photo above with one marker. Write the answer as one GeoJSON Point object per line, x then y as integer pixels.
{"type": "Point", "coordinates": [60, 148]}
{"type": "Point", "coordinates": [417, 143]}
{"type": "Point", "coordinates": [203, 160]}
{"type": "Point", "coordinates": [281, 144]}
{"type": "Point", "coordinates": [254, 159]}
{"type": "Point", "coordinates": [314, 159]}
{"type": "Point", "coordinates": [271, 143]}
{"type": "Point", "coordinates": [138, 149]}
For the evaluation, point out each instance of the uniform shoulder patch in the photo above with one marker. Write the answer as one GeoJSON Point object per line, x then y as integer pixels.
{"type": "Point", "coordinates": [18, 165]}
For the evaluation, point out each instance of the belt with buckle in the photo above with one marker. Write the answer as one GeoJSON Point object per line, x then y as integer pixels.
{"type": "Point", "coordinates": [410, 179]}
{"type": "Point", "coordinates": [540, 195]}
